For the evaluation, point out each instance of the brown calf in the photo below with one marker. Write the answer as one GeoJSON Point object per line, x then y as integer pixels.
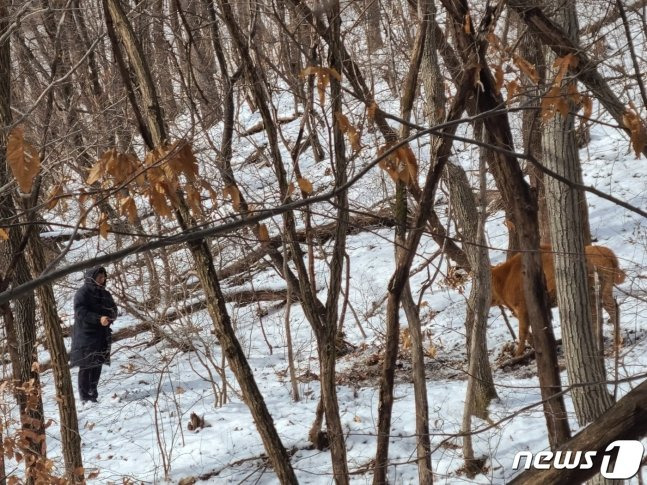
{"type": "Point", "coordinates": [507, 285]}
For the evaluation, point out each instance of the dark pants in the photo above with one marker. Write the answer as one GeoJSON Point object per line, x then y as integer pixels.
{"type": "Point", "coordinates": [88, 380]}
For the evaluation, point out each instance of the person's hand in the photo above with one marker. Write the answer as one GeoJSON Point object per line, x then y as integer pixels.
{"type": "Point", "coordinates": [105, 321]}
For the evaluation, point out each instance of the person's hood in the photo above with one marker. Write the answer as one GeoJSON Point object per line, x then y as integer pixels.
{"type": "Point", "coordinates": [92, 273]}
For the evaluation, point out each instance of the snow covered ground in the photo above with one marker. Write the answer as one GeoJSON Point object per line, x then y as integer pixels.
{"type": "Point", "coordinates": [138, 428]}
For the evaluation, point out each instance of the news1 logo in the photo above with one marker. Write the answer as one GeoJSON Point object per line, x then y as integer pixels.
{"type": "Point", "coordinates": [621, 459]}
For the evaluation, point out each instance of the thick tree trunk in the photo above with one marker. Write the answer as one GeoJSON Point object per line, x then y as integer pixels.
{"type": "Point", "coordinates": [20, 324]}
{"type": "Point", "coordinates": [585, 365]}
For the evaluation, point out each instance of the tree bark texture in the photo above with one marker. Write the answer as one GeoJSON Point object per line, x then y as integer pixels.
{"type": "Point", "coordinates": [531, 49]}
{"type": "Point", "coordinates": [478, 305]}
{"type": "Point", "coordinates": [20, 322]}
{"type": "Point", "coordinates": [583, 361]}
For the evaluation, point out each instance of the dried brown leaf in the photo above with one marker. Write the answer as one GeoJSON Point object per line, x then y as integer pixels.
{"type": "Point", "coordinates": [181, 160]}
{"type": "Point", "coordinates": [158, 202]}
{"type": "Point", "coordinates": [53, 196]}
{"type": "Point", "coordinates": [563, 106]}
{"type": "Point", "coordinates": [573, 94]}
{"type": "Point", "coordinates": [213, 195]}
{"type": "Point", "coordinates": [512, 87]}
{"type": "Point", "coordinates": [169, 188]}
{"type": "Point", "coordinates": [263, 233]}
{"type": "Point", "coordinates": [347, 128]}
{"type": "Point", "coordinates": [527, 68]}
{"type": "Point", "coordinates": [355, 140]}
{"type": "Point", "coordinates": [498, 77]}
{"type": "Point", "coordinates": [322, 83]}
{"type": "Point", "coordinates": [323, 78]}
{"type": "Point", "coordinates": [401, 165]}
{"type": "Point", "coordinates": [111, 162]}
{"type": "Point", "coordinates": [408, 165]}
{"type": "Point", "coordinates": [372, 109]}
{"type": "Point", "coordinates": [232, 192]}
{"type": "Point", "coordinates": [194, 200]}
{"type": "Point", "coordinates": [23, 159]}
{"type": "Point", "coordinates": [637, 131]}
{"type": "Point", "coordinates": [587, 104]}
{"type": "Point", "coordinates": [128, 208]}
{"type": "Point", "coordinates": [104, 227]}
{"type": "Point", "coordinates": [305, 185]}
{"type": "Point", "coordinates": [550, 101]}
{"type": "Point", "coordinates": [467, 24]}
{"type": "Point", "coordinates": [97, 171]}
{"type": "Point", "coordinates": [563, 64]}
{"type": "Point", "coordinates": [4, 235]}
{"type": "Point", "coordinates": [343, 122]}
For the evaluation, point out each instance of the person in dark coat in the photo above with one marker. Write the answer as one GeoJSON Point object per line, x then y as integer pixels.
{"type": "Point", "coordinates": [94, 312]}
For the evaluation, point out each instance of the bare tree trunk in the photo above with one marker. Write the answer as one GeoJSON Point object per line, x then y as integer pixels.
{"type": "Point", "coordinates": [532, 51]}
{"type": "Point", "coordinates": [288, 336]}
{"type": "Point", "coordinates": [326, 339]}
{"type": "Point", "coordinates": [396, 288]}
{"type": "Point", "coordinates": [3, 468]}
{"type": "Point", "coordinates": [423, 443]}
{"type": "Point", "coordinates": [480, 385]}
{"type": "Point", "coordinates": [203, 260]}
{"type": "Point", "coordinates": [466, 214]}
{"type": "Point", "coordinates": [69, 426]}
{"type": "Point", "coordinates": [516, 195]}
{"type": "Point", "coordinates": [162, 64]}
{"type": "Point", "coordinates": [200, 64]}
{"type": "Point", "coordinates": [479, 300]}
{"type": "Point", "coordinates": [373, 25]}
{"type": "Point", "coordinates": [20, 324]}
{"type": "Point", "coordinates": [585, 365]}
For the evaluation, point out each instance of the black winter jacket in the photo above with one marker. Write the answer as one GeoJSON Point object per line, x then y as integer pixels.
{"type": "Point", "coordinates": [91, 340]}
